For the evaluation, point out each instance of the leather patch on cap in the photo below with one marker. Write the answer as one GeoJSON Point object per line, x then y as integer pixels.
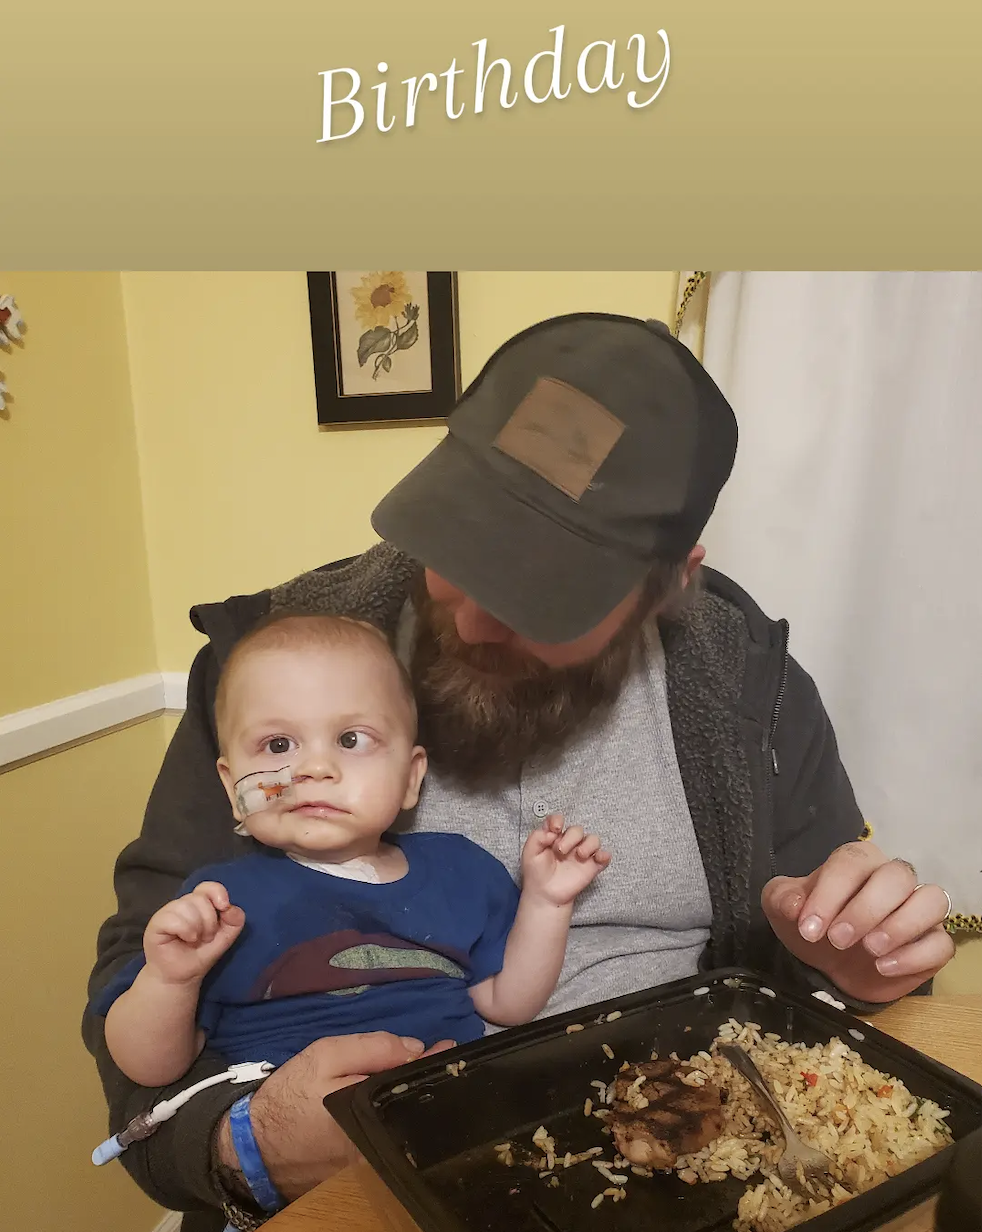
{"type": "Point", "coordinates": [562, 434]}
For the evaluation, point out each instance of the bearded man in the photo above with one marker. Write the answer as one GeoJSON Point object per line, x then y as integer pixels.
{"type": "Point", "coordinates": [541, 576]}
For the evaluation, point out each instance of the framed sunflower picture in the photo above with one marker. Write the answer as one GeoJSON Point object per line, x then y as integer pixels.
{"type": "Point", "coordinates": [385, 344]}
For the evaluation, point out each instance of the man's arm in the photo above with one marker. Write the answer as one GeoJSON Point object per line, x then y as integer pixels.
{"type": "Point", "coordinates": [815, 808]}
{"type": "Point", "coordinates": [188, 823]}
{"type": "Point", "coordinates": [816, 815]}
{"type": "Point", "coordinates": [814, 811]}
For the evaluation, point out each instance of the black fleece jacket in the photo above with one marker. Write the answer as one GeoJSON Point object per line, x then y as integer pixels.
{"type": "Point", "coordinates": [758, 759]}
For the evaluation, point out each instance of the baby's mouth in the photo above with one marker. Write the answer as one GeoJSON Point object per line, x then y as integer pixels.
{"type": "Point", "coordinates": [318, 808]}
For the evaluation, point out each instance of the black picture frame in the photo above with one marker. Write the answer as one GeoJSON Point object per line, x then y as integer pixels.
{"type": "Point", "coordinates": [337, 409]}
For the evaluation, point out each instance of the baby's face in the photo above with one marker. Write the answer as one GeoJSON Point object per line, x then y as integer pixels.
{"type": "Point", "coordinates": [337, 717]}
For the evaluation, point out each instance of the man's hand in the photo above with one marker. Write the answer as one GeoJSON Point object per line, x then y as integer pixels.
{"type": "Point", "coordinates": [186, 937]}
{"type": "Point", "coordinates": [558, 864]}
{"type": "Point", "coordinates": [862, 920]}
{"type": "Point", "coordinates": [301, 1144]}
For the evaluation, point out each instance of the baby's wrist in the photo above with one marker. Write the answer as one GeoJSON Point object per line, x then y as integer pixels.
{"type": "Point", "coordinates": [152, 975]}
{"type": "Point", "coordinates": [541, 900]}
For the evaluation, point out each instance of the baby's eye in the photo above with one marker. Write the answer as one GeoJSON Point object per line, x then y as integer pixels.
{"type": "Point", "coordinates": [354, 740]}
{"type": "Point", "coordinates": [278, 744]}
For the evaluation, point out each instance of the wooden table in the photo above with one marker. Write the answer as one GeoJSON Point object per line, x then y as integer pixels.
{"type": "Point", "coordinates": [946, 1028]}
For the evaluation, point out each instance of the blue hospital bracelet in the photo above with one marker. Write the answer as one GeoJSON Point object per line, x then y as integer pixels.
{"type": "Point", "coordinates": [250, 1160]}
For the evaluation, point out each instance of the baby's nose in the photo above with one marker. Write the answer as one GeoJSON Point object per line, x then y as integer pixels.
{"type": "Point", "coordinates": [321, 763]}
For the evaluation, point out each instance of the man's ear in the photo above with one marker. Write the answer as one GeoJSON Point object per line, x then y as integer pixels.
{"type": "Point", "coordinates": [417, 771]}
{"type": "Point", "coordinates": [692, 563]}
{"type": "Point", "coordinates": [225, 774]}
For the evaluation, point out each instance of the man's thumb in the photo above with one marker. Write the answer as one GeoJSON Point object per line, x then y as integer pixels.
{"type": "Point", "coordinates": [781, 897]}
{"type": "Point", "coordinates": [370, 1053]}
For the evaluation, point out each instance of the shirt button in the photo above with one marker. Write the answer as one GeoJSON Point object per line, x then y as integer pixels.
{"type": "Point", "coordinates": [540, 808]}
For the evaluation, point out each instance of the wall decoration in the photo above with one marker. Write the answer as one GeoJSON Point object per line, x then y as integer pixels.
{"type": "Point", "coordinates": [11, 330]}
{"type": "Point", "coordinates": [385, 346]}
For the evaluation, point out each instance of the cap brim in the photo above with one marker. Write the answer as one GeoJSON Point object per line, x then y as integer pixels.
{"type": "Point", "coordinates": [531, 573]}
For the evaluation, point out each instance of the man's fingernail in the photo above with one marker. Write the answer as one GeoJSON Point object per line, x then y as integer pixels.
{"type": "Point", "coordinates": [887, 966]}
{"type": "Point", "coordinates": [841, 935]}
{"type": "Point", "coordinates": [811, 928]}
{"type": "Point", "coordinates": [413, 1045]}
{"type": "Point", "coordinates": [878, 943]}
{"type": "Point", "coordinates": [791, 905]}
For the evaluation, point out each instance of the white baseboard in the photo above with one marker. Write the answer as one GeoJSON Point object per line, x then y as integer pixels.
{"type": "Point", "coordinates": [171, 1222]}
{"type": "Point", "coordinates": [175, 691]}
{"type": "Point", "coordinates": [67, 720]}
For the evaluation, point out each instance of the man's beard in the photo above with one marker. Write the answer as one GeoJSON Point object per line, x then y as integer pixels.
{"type": "Point", "coordinates": [486, 710]}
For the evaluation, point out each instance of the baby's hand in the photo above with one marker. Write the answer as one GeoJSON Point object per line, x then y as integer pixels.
{"type": "Point", "coordinates": [557, 864]}
{"type": "Point", "coordinates": [186, 937]}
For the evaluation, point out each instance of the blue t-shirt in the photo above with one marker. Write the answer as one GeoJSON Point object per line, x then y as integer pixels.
{"type": "Point", "coordinates": [321, 955]}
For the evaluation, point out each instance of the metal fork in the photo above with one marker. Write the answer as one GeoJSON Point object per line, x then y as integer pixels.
{"type": "Point", "coordinates": [799, 1164]}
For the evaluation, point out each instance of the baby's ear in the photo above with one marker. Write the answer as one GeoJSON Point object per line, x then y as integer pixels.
{"type": "Point", "coordinates": [417, 772]}
{"type": "Point", "coordinates": [225, 774]}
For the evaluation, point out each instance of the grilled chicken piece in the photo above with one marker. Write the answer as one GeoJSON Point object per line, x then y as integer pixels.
{"type": "Point", "coordinates": [657, 1117]}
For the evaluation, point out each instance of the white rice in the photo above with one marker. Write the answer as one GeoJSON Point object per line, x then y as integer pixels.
{"type": "Point", "coordinates": [866, 1122]}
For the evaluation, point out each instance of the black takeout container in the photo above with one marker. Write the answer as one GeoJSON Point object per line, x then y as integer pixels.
{"type": "Point", "coordinates": [432, 1143]}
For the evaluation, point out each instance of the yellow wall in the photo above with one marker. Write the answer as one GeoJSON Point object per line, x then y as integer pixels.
{"type": "Point", "coordinates": [76, 614]}
{"type": "Point", "coordinates": [76, 610]}
{"type": "Point", "coordinates": [62, 831]}
{"type": "Point", "coordinates": [240, 489]}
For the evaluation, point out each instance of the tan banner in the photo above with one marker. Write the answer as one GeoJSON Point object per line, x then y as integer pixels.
{"type": "Point", "coordinates": [239, 134]}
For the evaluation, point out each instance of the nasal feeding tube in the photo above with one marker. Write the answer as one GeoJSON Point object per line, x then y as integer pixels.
{"type": "Point", "coordinates": [261, 790]}
{"type": "Point", "coordinates": [146, 1123]}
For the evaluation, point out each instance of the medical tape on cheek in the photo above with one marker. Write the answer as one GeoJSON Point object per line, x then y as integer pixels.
{"type": "Point", "coordinates": [263, 790]}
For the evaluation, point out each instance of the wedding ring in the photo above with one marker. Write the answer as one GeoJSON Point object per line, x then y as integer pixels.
{"type": "Point", "coordinates": [923, 884]}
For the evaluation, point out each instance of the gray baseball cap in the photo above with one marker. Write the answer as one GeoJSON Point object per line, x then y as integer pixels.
{"type": "Point", "coordinates": [589, 446]}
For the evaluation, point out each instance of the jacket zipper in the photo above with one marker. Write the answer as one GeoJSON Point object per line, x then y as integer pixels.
{"type": "Point", "coordinates": [779, 700]}
{"type": "Point", "coordinates": [769, 739]}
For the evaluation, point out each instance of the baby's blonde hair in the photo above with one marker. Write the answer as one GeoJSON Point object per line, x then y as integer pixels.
{"type": "Point", "coordinates": [285, 630]}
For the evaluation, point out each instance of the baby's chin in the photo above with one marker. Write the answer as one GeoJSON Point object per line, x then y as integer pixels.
{"type": "Point", "coordinates": [317, 833]}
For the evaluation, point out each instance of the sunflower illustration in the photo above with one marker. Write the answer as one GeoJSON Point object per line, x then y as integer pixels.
{"type": "Point", "coordinates": [383, 304]}
{"type": "Point", "coordinates": [380, 297]}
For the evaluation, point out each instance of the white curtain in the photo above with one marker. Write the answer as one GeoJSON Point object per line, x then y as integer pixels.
{"type": "Point", "coordinates": [855, 510]}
